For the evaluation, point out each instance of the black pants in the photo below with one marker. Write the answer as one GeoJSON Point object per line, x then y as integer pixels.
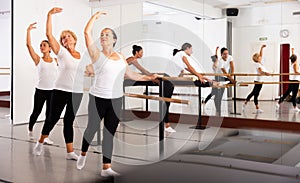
{"type": "Point", "coordinates": [40, 97]}
{"type": "Point", "coordinates": [255, 92]}
{"type": "Point", "coordinates": [100, 108]}
{"type": "Point", "coordinates": [168, 92]}
{"type": "Point", "coordinates": [59, 100]}
{"type": "Point", "coordinates": [218, 93]}
{"type": "Point", "coordinates": [293, 87]}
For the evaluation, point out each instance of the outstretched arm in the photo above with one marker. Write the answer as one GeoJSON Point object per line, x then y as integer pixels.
{"type": "Point", "coordinates": [53, 42]}
{"type": "Point", "coordinates": [94, 52]}
{"type": "Point", "coordinates": [191, 69]}
{"type": "Point", "coordinates": [263, 72]}
{"type": "Point", "coordinates": [293, 51]}
{"type": "Point", "coordinates": [141, 68]}
{"type": "Point", "coordinates": [35, 57]}
{"type": "Point", "coordinates": [129, 74]}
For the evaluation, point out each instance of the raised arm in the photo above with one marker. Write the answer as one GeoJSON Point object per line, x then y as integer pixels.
{"type": "Point", "coordinates": [35, 57]}
{"type": "Point", "coordinates": [53, 42]}
{"type": "Point", "coordinates": [94, 52]}
{"type": "Point", "coordinates": [293, 51]}
{"type": "Point", "coordinates": [262, 50]}
{"type": "Point", "coordinates": [217, 49]}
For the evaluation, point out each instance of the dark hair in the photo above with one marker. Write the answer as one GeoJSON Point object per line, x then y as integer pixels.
{"type": "Point", "coordinates": [223, 49]}
{"type": "Point", "coordinates": [46, 41]}
{"type": "Point", "coordinates": [293, 58]}
{"type": "Point", "coordinates": [113, 33]}
{"type": "Point", "coordinates": [183, 47]}
{"type": "Point", "coordinates": [135, 49]}
{"type": "Point", "coordinates": [175, 51]}
{"type": "Point", "coordinates": [186, 46]}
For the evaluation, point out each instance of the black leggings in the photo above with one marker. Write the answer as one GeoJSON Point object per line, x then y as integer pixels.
{"type": "Point", "coordinates": [293, 87]}
{"type": "Point", "coordinates": [168, 92]}
{"type": "Point", "coordinates": [218, 93]}
{"type": "Point", "coordinates": [40, 97]}
{"type": "Point", "coordinates": [255, 93]}
{"type": "Point", "coordinates": [100, 108]}
{"type": "Point", "coordinates": [59, 100]}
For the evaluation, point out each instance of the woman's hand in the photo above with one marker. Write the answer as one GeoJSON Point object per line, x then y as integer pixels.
{"type": "Point", "coordinates": [98, 14]}
{"type": "Point", "coordinates": [55, 10]}
{"type": "Point", "coordinates": [89, 70]}
{"type": "Point", "coordinates": [31, 26]}
{"type": "Point", "coordinates": [201, 79]}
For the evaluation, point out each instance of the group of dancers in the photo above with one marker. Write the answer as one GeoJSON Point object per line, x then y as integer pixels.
{"type": "Point", "coordinates": [59, 86]}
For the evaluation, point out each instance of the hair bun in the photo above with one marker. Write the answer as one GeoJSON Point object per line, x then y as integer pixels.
{"type": "Point", "coordinates": [134, 46]}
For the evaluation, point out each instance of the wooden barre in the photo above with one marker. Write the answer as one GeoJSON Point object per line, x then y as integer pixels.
{"type": "Point", "coordinates": [4, 74]}
{"type": "Point", "coordinates": [282, 82]}
{"type": "Point", "coordinates": [172, 100]}
{"type": "Point", "coordinates": [242, 74]}
{"type": "Point", "coordinates": [178, 79]}
{"type": "Point", "coordinates": [4, 68]}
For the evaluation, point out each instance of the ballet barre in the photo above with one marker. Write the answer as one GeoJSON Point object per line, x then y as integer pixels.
{"type": "Point", "coordinates": [282, 82]}
{"type": "Point", "coordinates": [165, 99]}
{"type": "Point", "coordinates": [242, 74]}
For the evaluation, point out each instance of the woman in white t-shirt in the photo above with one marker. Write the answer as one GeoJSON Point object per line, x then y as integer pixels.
{"type": "Point", "coordinates": [47, 73]}
{"type": "Point", "coordinates": [68, 88]}
{"type": "Point", "coordinates": [106, 93]}
{"type": "Point", "coordinates": [260, 70]}
{"type": "Point", "coordinates": [137, 52]}
{"type": "Point", "coordinates": [180, 62]}
{"type": "Point", "coordinates": [224, 65]}
{"type": "Point", "coordinates": [293, 87]}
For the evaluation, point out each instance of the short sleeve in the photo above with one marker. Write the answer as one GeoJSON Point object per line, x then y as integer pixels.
{"type": "Point", "coordinates": [231, 58]}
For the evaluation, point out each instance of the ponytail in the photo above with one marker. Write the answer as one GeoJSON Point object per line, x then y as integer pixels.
{"type": "Point", "coordinates": [175, 51]}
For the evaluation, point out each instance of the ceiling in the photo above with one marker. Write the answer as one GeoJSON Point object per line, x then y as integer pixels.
{"type": "Point", "coordinates": [242, 3]}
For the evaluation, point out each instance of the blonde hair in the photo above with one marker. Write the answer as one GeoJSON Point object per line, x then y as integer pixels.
{"type": "Point", "coordinates": [255, 57]}
{"type": "Point", "coordinates": [65, 32]}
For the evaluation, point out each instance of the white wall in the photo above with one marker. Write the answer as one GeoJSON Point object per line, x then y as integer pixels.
{"type": "Point", "coordinates": [5, 44]}
{"type": "Point", "coordinates": [267, 21]}
{"type": "Point", "coordinates": [74, 17]}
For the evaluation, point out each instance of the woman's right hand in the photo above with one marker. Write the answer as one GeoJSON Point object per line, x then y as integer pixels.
{"type": "Point", "coordinates": [55, 10]}
{"type": "Point", "coordinates": [98, 14]}
{"type": "Point", "coordinates": [31, 26]}
{"type": "Point", "coordinates": [89, 70]}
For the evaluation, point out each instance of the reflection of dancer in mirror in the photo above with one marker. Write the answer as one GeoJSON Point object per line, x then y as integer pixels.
{"type": "Point", "coordinates": [180, 62]}
{"type": "Point", "coordinates": [224, 65]}
{"type": "Point", "coordinates": [47, 73]}
{"type": "Point", "coordinates": [65, 94]}
{"type": "Point", "coordinates": [260, 70]}
{"type": "Point", "coordinates": [109, 68]}
{"type": "Point", "coordinates": [293, 87]}
{"type": "Point", "coordinates": [137, 52]}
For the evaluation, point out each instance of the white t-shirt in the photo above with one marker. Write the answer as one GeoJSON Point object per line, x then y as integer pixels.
{"type": "Point", "coordinates": [47, 74]}
{"type": "Point", "coordinates": [177, 64]}
{"type": "Point", "coordinates": [226, 63]}
{"type": "Point", "coordinates": [257, 66]}
{"type": "Point", "coordinates": [292, 71]}
{"type": "Point", "coordinates": [109, 77]}
{"type": "Point", "coordinates": [71, 73]}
